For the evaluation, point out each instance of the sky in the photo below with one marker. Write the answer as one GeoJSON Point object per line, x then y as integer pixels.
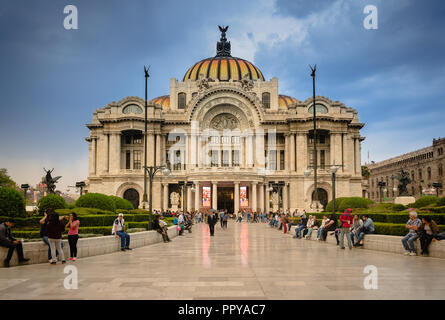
{"type": "Point", "coordinates": [52, 79]}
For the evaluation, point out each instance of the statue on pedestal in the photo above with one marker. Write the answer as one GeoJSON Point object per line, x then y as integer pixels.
{"type": "Point", "coordinates": [174, 199]}
{"type": "Point", "coordinates": [49, 181]}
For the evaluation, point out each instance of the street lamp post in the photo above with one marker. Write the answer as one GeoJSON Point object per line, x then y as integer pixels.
{"type": "Point", "coordinates": [80, 185]}
{"type": "Point", "coordinates": [313, 69]}
{"type": "Point", "coordinates": [144, 198]}
{"type": "Point", "coordinates": [181, 184]}
{"type": "Point", "coordinates": [334, 169]}
{"type": "Point", "coordinates": [25, 188]}
{"type": "Point", "coordinates": [437, 186]}
{"type": "Point", "coordinates": [151, 171]}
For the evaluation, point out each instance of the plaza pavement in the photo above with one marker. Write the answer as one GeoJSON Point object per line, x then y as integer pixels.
{"type": "Point", "coordinates": [248, 261]}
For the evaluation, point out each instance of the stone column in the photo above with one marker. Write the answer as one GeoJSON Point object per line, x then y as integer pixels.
{"type": "Point", "coordinates": [236, 197]}
{"type": "Point", "coordinates": [115, 153]}
{"type": "Point", "coordinates": [199, 155]}
{"type": "Point", "coordinates": [158, 149]}
{"type": "Point", "coordinates": [197, 204]}
{"type": "Point", "coordinates": [254, 204]}
{"type": "Point", "coordinates": [267, 196]}
{"type": "Point", "coordinates": [165, 196]}
{"type": "Point", "coordinates": [302, 161]}
{"type": "Point", "coordinates": [285, 198]}
{"type": "Point", "coordinates": [261, 197]}
{"type": "Point", "coordinates": [292, 152]}
{"type": "Point", "coordinates": [286, 152]}
{"type": "Point", "coordinates": [215, 195]}
{"type": "Point", "coordinates": [243, 152]}
{"type": "Point", "coordinates": [192, 151]}
{"type": "Point", "coordinates": [357, 157]}
{"type": "Point", "coordinates": [189, 198]}
{"type": "Point", "coordinates": [249, 150]}
{"type": "Point", "coordinates": [92, 156]}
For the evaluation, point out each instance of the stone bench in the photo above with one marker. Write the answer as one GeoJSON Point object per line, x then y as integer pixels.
{"type": "Point", "coordinates": [385, 243]}
{"type": "Point", "coordinates": [37, 252]}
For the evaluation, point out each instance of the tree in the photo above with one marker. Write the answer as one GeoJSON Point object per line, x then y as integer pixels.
{"type": "Point", "coordinates": [365, 172]}
{"type": "Point", "coordinates": [5, 179]}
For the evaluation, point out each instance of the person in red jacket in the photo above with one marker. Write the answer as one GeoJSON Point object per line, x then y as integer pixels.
{"type": "Point", "coordinates": [346, 220]}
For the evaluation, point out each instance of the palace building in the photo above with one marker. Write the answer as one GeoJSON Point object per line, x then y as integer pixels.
{"type": "Point", "coordinates": [227, 131]}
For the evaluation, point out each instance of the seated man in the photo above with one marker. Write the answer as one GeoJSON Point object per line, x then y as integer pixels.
{"type": "Point", "coordinates": [412, 225]}
{"type": "Point", "coordinates": [301, 226]}
{"type": "Point", "coordinates": [119, 230]}
{"type": "Point", "coordinates": [6, 240]}
{"type": "Point", "coordinates": [158, 225]}
{"type": "Point", "coordinates": [366, 228]}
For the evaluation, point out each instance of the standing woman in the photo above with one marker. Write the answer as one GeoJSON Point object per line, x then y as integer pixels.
{"type": "Point", "coordinates": [73, 235]}
{"type": "Point", "coordinates": [225, 219]}
{"type": "Point", "coordinates": [54, 230]}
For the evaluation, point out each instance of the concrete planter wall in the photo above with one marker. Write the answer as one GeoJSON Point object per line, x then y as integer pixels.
{"type": "Point", "coordinates": [37, 252]}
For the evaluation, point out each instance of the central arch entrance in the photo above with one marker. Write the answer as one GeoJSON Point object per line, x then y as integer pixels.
{"type": "Point", "coordinates": [225, 198]}
{"type": "Point", "coordinates": [322, 197]}
{"type": "Point", "coordinates": [132, 195]}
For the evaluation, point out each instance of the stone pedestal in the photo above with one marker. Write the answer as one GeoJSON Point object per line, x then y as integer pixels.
{"type": "Point", "coordinates": [405, 200]}
{"type": "Point", "coordinates": [174, 207]}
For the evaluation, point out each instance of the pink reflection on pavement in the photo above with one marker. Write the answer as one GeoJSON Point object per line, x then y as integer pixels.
{"type": "Point", "coordinates": [244, 244]}
{"type": "Point", "coordinates": [205, 246]}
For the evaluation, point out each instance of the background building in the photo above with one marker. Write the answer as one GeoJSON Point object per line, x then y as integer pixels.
{"type": "Point", "coordinates": [229, 131]}
{"type": "Point", "coordinates": [424, 165]}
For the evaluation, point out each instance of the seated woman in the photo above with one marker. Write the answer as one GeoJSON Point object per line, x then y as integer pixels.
{"type": "Point", "coordinates": [428, 231]}
{"type": "Point", "coordinates": [357, 223]}
{"type": "Point", "coordinates": [311, 225]}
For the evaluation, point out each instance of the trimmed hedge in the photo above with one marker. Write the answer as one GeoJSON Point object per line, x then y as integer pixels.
{"type": "Point", "coordinates": [424, 201]}
{"type": "Point", "coordinates": [440, 202]}
{"type": "Point", "coordinates": [96, 200]}
{"type": "Point", "coordinates": [12, 203]}
{"type": "Point", "coordinates": [84, 211]}
{"type": "Point", "coordinates": [394, 229]}
{"type": "Point", "coordinates": [342, 204]}
{"type": "Point", "coordinates": [51, 201]}
{"type": "Point", "coordinates": [122, 204]}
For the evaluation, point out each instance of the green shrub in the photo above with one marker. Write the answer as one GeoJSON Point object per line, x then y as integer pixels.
{"type": "Point", "coordinates": [96, 200]}
{"type": "Point", "coordinates": [122, 203]}
{"type": "Point", "coordinates": [440, 202]}
{"type": "Point", "coordinates": [342, 204]}
{"type": "Point", "coordinates": [440, 209]}
{"type": "Point", "coordinates": [137, 225]}
{"type": "Point", "coordinates": [139, 211]}
{"type": "Point", "coordinates": [32, 222]}
{"type": "Point", "coordinates": [424, 201]}
{"type": "Point", "coordinates": [399, 207]}
{"type": "Point", "coordinates": [53, 201]}
{"type": "Point", "coordinates": [12, 203]}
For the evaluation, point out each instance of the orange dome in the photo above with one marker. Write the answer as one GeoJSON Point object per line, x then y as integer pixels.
{"type": "Point", "coordinates": [163, 101]}
{"type": "Point", "coordinates": [223, 68]}
{"type": "Point", "coordinates": [285, 101]}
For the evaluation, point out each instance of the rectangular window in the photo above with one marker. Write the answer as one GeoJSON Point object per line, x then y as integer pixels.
{"type": "Point", "coordinates": [127, 139]}
{"type": "Point", "coordinates": [214, 158]}
{"type": "Point", "coordinates": [225, 158]}
{"type": "Point", "coordinates": [235, 158]}
{"type": "Point", "coordinates": [282, 160]}
{"type": "Point", "coordinates": [322, 139]}
{"type": "Point", "coordinates": [273, 160]}
{"type": "Point", "coordinates": [137, 139]}
{"type": "Point", "coordinates": [127, 160]}
{"type": "Point", "coordinates": [322, 159]}
{"type": "Point", "coordinates": [137, 159]}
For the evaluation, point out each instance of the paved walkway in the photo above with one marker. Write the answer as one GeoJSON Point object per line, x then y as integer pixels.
{"type": "Point", "coordinates": [248, 261]}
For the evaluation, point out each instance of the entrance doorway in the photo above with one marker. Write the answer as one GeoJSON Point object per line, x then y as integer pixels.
{"type": "Point", "coordinates": [322, 197]}
{"type": "Point", "coordinates": [133, 196]}
{"type": "Point", "coordinates": [225, 198]}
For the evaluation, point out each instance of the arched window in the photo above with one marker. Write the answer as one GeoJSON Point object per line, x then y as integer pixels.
{"type": "Point", "coordinates": [420, 174]}
{"type": "Point", "coordinates": [429, 173]}
{"type": "Point", "coordinates": [266, 100]}
{"type": "Point", "coordinates": [440, 169]}
{"type": "Point", "coordinates": [412, 175]}
{"type": "Point", "coordinates": [181, 100]}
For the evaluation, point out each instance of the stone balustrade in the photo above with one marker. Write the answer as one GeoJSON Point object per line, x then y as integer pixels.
{"type": "Point", "coordinates": [37, 252]}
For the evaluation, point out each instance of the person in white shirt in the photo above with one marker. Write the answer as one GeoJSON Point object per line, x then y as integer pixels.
{"type": "Point", "coordinates": [119, 231]}
{"type": "Point", "coordinates": [323, 223]}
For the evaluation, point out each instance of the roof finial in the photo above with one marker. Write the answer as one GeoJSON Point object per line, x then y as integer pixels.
{"type": "Point", "coordinates": [223, 46]}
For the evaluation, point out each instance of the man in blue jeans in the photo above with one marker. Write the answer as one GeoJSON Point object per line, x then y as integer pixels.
{"type": "Point", "coordinates": [366, 228]}
{"type": "Point", "coordinates": [119, 230]}
{"type": "Point", "coordinates": [408, 241]}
